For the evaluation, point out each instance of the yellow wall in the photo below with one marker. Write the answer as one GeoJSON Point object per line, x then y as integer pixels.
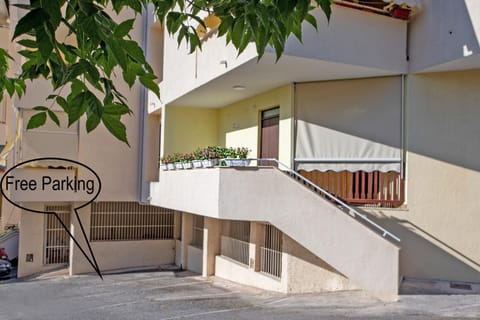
{"type": "Point", "coordinates": [235, 125]}
{"type": "Point", "coordinates": [238, 123]}
{"type": "Point", "coordinates": [186, 129]}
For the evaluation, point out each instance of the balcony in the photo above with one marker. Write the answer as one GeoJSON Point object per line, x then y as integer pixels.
{"type": "Point", "coordinates": [354, 44]}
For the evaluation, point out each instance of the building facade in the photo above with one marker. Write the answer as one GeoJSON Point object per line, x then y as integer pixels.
{"type": "Point", "coordinates": [373, 120]}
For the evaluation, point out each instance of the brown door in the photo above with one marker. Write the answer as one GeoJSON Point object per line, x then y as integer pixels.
{"type": "Point", "coordinates": [269, 135]}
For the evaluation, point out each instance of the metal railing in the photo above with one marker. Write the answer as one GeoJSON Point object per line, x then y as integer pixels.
{"type": "Point", "coordinates": [235, 249]}
{"type": "Point", "coordinates": [345, 206]}
{"type": "Point", "coordinates": [271, 262]}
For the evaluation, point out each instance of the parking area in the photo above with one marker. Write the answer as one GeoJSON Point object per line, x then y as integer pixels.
{"type": "Point", "coordinates": [184, 295]}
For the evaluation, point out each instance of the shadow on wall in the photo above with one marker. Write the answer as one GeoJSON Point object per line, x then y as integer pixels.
{"type": "Point", "coordinates": [423, 255]}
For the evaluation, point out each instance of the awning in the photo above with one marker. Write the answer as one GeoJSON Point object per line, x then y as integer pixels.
{"type": "Point", "coordinates": [349, 125]}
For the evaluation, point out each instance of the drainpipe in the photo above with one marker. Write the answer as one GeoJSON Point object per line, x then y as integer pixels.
{"type": "Point", "coordinates": [402, 135]}
{"type": "Point", "coordinates": [142, 187]}
{"type": "Point", "coordinates": [293, 125]}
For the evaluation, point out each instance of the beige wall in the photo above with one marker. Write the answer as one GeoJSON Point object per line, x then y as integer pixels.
{"type": "Point", "coordinates": [439, 227]}
{"type": "Point", "coordinates": [32, 238]}
{"type": "Point", "coordinates": [113, 255]}
{"type": "Point", "coordinates": [305, 272]}
{"type": "Point", "coordinates": [302, 272]}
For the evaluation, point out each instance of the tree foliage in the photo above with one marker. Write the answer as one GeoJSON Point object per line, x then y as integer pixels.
{"type": "Point", "coordinates": [81, 72]}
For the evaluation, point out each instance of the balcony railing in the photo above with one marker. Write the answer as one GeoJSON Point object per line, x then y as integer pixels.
{"type": "Point", "coordinates": [382, 189]}
{"type": "Point", "coordinates": [235, 249]}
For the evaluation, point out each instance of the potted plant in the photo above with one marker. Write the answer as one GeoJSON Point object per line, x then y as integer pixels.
{"type": "Point", "coordinates": [241, 157]}
{"type": "Point", "coordinates": [186, 160]}
{"type": "Point", "coordinates": [228, 156]}
{"type": "Point", "coordinates": [197, 161]}
{"type": "Point", "coordinates": [210, 156]}
{"type": "Point", "coordinates": [177, 160]}
{"type": "Point", "coordinates": [165, 160]}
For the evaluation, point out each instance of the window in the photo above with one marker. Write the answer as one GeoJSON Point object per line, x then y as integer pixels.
{"type": "Point", "coordinates": [113, 221]}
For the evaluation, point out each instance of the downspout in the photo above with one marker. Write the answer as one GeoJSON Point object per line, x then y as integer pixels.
{"type": "Point", "coordinates": [402, 133]}
{"type": "Point", "coordinates": [294, 126]}
{"type": "Point", "coordinates": [142, 187]}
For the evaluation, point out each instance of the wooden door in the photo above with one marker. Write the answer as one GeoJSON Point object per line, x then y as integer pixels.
{"type": "Point", "coordinates": [270, 135]}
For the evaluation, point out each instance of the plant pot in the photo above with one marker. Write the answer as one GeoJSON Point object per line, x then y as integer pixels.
{"type": "Point", "coordinates": [241, 162]}
{"type": "Point", "coordinates": [227, 162]}
{"type": "Point", "coordinates": [163, 167]}
{"type": "Point", "coordinates": [170, 166]}
{"type": "Point", "coordinates": [208, 163]}
{"type": "Point", "coordinates": [197, 163]}
{"type": "Point", "coordinates": [178, 165]}
{"type": "Point", "coordinates": [401, 13]}
{"type": "Point", "coordinates": [187, 165]}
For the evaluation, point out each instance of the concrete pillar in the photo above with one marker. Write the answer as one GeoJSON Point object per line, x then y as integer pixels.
{"type": "Point", "coordinates": [78, 262]}
{"type": "Point", "coordinates": [211, 244]}
{"type": "Point", "coordinates": [177, 225]}
{"type": "Point", "coordinates": [187, 234]}
{"type": "Point", "coordinates": [256, 241]}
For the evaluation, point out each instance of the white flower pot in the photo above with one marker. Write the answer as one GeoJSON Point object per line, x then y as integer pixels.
{"type": "Point", "coordinates": [170, 166]}
{"type": "Point", "coordinates": [163, 167]}
{"type": "Point", "coordinates": [197, 163]}
{"type": "Point", "coordinates": [187, 165]}
{"type": "Point", "coordinates": [241, 162]}
{"type": "Point", "coordinates": [178, 165]}
{"type": "Point", "coordinates": [236, 162]}
{"type": "Point", "coordinates": [208, 163]}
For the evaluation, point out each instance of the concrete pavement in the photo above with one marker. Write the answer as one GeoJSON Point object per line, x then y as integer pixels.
{"type": "Point", "coordinates": [183, 295]}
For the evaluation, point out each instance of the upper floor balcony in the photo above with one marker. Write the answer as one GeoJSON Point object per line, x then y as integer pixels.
{"type": "Point", "coordinates": [353, 44]}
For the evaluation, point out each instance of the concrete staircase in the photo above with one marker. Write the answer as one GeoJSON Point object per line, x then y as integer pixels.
{"type": "Point", "coordinates": [266, 194]}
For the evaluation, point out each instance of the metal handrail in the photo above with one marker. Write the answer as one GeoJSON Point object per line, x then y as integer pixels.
{"type": "Point", "coordinates": [330, 196]}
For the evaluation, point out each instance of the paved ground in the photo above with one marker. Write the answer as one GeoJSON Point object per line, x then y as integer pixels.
{"type": "Point", "coordinates": [169, 295]}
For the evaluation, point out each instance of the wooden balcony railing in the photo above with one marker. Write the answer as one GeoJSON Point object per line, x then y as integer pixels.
{"type": "Point", "coordinates": [382, 189]}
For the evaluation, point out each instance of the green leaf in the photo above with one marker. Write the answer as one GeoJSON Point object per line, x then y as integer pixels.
{"type": "Point", "coordinates": [311, 19]}
{"type": "Point", "coordinates": [124, 28]}
{"type": "Point", "coordinates": [44, 40]}
{"type": "Point", "coordinates": [115, 126]}
{"type": "Point", "coordinates": [116, 109]}
{"type": "Point", "coordinates": [148, 81]}
{"type": "Point", "coordinates": [28, 43]}
{"type": "Point", "coordinates": [30, 21]}
{"type": "Point", "coordinates": [326, 6]}
{"type": "Point", "coordinates": [77, 107]}
{"type": "Point", "coordinates": [237, 32]}
{"type": "Point", "coordinates": [93, 121]}
{"type": "Point", "coordinates": [54, 117]}
{"type": "Point", "coordinates": [37, 120]}
{"type": "Point", "coordinates": [40, 108]}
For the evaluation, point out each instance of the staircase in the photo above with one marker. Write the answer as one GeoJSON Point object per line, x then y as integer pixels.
{"type": "Point", "coordinates": [349, 241]}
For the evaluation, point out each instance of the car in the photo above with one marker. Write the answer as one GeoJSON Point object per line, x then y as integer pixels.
{"type": "Point", "coordinates": [5, 268]}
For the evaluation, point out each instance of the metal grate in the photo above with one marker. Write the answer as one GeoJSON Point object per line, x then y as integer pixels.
{"type": "Point", "coordinates": [235, 249]}
{"type": "Point", "coordinates": [116, 221]}
{"type": "Point", "coordinates": [197, 237]}
{"type": "Point", "coordinates": [240, 230]}
{"type": "Point", "coordinates": [57, 240]}
{"type": "Point", "coordinates": [271, 252]}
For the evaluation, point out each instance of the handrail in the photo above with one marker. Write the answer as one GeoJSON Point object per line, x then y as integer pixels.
{"type": "Point", "coordinates": [330, 196]}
